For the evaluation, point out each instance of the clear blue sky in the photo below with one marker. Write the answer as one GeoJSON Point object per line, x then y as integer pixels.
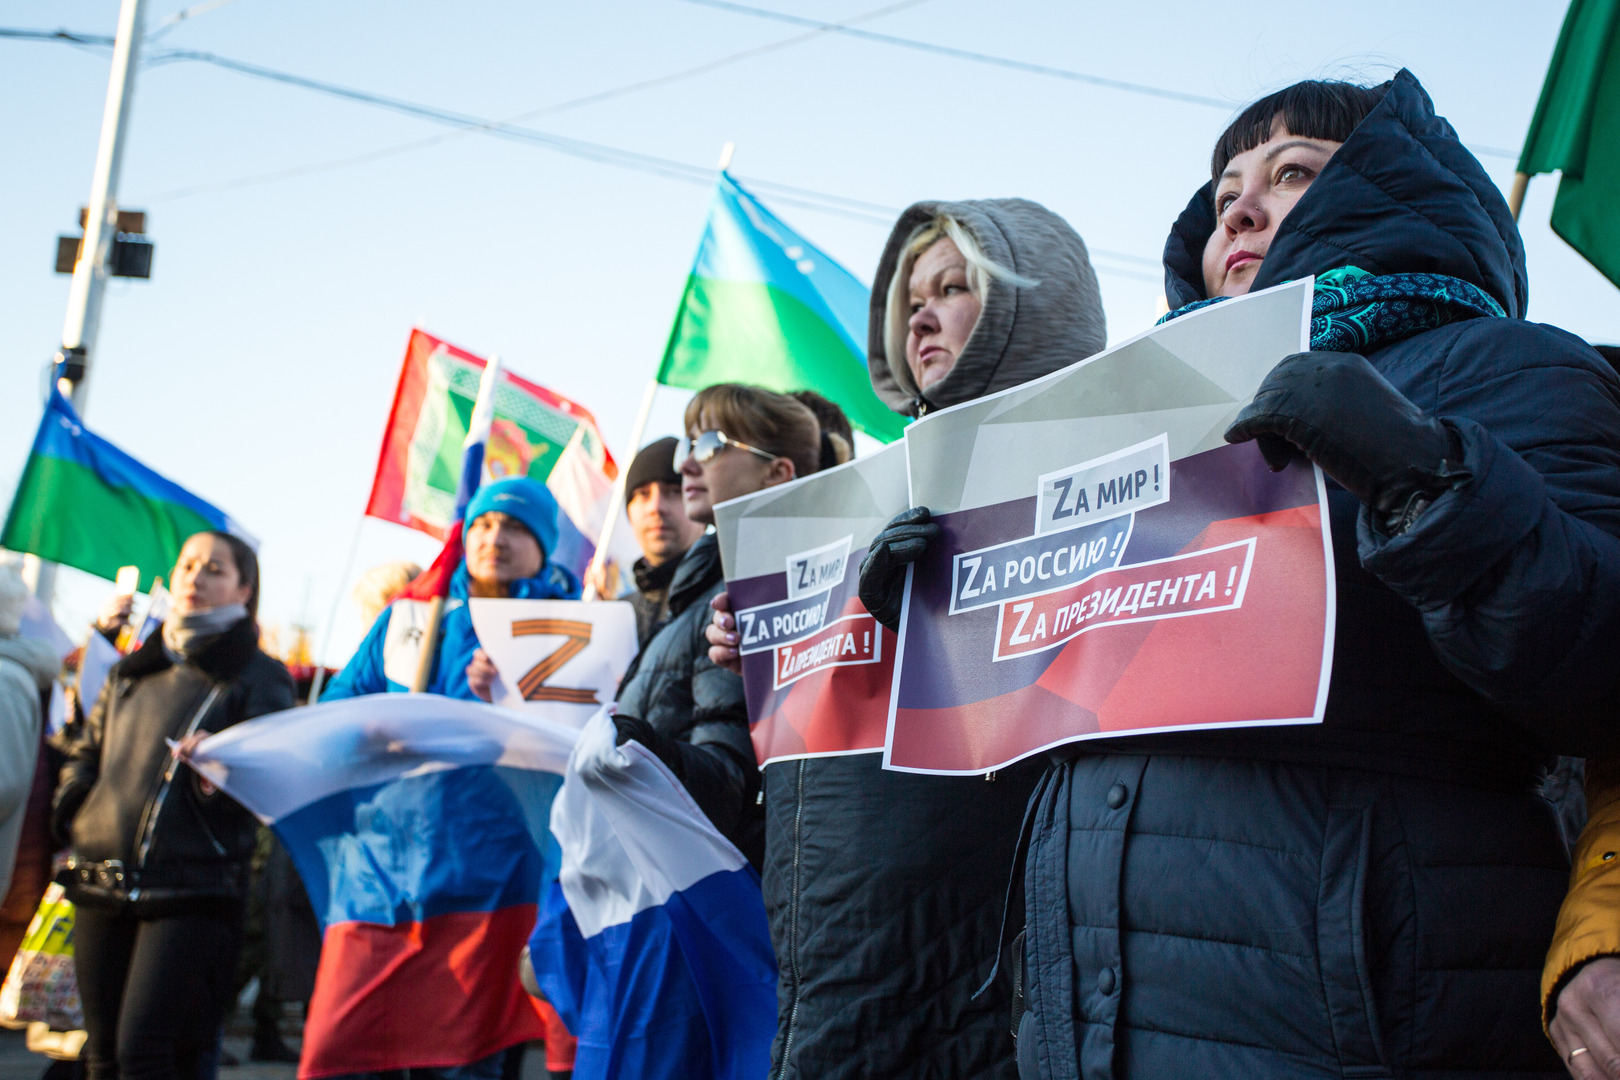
{"type": "Point", "coordinates": [256, 367]}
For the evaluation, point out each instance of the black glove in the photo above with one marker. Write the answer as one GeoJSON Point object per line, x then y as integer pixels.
{"type": "Point", "coordinates": [634, 727]}
{"type": "Point", "coordinates": [1336, 410]}
{"type": "Point", "coordinates": [883, 571]}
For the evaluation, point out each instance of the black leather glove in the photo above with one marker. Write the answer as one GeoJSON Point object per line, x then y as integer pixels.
{"type": "Point", "coordinates": [1336, 410]}
{"type": "Point", "coordinates": [883, 571]}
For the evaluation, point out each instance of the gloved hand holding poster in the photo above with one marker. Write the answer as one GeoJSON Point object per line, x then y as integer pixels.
{"type": "Point", "coordinates": [1108, 564]}
{"type": "Point", "coordinates": [816, 666]}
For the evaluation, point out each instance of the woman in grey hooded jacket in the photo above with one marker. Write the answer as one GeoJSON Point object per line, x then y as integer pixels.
{"type": "Point", "coordinates": [885, 889]}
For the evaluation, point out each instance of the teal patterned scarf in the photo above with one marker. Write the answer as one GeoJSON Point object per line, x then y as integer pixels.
{"type": "Point", "coordinates": [1354, 311]}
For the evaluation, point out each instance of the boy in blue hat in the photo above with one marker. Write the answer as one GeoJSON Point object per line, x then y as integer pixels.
{"type": "Point", "coordinates": [510, 532]}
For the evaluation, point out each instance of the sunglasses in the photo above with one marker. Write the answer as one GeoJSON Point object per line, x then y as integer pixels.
{"type": "Point", "coordinates": [709, 443]}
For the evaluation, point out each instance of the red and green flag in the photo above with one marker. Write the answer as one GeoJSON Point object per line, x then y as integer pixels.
{"type": "Point", "coordinates": [763, 305]}
{"type": "Point", "coordinates": [535, 433]}
{"type": "Point", "coordinates": [1576, 131]}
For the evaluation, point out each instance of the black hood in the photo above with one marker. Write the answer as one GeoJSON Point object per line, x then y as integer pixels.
{"type": "Point", "coordinates": [1023, 332]}
{"type": "Point", "coordinates": [1402, 195]}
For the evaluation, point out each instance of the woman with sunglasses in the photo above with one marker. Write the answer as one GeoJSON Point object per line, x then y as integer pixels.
{"type": "Point", "coordinates": [674, 700]}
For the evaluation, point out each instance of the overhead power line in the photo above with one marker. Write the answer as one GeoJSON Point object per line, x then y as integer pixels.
{"type": "Point", "coordinates": [975, 57]}
{"type": "Point", "coordinates": [807, 198]}
{"type": "Point", "coordinates": [1015, 65]}
{"type": "Point", "coordinates": [56, 35]}
{"type": "Point", "coordinates": [595, 98]}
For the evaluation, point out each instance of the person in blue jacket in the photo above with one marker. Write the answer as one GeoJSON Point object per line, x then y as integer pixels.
{"type": "Point", "coordinates": [511, 530]}
{"type": "Point", "coordinates": [1371, 896]}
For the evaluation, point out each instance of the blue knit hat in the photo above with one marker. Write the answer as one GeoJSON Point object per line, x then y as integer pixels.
{"type": "Point", "coordinates": [526, 500]}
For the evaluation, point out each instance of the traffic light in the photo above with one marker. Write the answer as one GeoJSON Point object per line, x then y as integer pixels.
{"type": "Point", "coordinates": [131, 255]}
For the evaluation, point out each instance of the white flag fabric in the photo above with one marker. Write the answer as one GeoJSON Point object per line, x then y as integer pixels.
{"type": "Point", "coordinates": [653, 945]}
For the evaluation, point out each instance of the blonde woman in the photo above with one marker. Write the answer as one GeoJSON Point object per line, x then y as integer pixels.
{"type": "Point", "coordinates": [885, 889]}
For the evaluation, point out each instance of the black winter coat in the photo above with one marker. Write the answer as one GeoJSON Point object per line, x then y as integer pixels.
{"type": "Point", "coordinates": [1373, 896]}
{"type": "Point", "coordinates": [697, 707]}
{"type": "Point", "coordinates": [177, 845]}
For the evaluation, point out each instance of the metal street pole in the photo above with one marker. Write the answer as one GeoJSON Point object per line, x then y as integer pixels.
{"type": "Point", "coordinates": [100, 229]}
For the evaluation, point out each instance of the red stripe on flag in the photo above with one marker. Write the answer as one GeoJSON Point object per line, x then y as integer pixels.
{"type": "Point", "coordinates": [387, 500]}
{"type": "Point", "coordinates": [432, 994]}
{"type": "Point", "coordinates": [435, 580]}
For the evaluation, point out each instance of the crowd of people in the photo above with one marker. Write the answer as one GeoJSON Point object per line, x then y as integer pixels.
{"type": "Point", "coordinates": [1388, 893]}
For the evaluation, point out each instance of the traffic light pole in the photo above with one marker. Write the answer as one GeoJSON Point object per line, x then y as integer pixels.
{"type": "Point", "coordinates": [100, 230]}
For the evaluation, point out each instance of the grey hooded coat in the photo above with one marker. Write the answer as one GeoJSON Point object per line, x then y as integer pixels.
{"type": "Point", "coordinates": [885, 889]}
{"type": "Point", "coordinates": [26, 670]}
{"type": "Point", "coordinates": [1022, 333]}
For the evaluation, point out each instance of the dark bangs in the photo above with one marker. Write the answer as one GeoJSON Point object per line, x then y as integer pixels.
{"type": "Point", "coordinates": [1314, 109]}
{"type": "Point", "coordinates": [247, 566]}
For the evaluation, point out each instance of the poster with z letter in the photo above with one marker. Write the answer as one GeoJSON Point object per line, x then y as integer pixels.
{"type": "Point", "coordinates": [1108, 564]}
{"type": "Point", "coordinates": [562, 659]}
{"type": "Point", "coordinates": [816, 666]}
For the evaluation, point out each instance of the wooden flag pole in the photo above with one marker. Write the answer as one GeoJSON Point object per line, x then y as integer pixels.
{"type": "Point", "coordinates": [1521, 181]}
{"type": "Point", "coordinates": [430, 645]}
{"type": "Point", "coordinates": [615, 507]}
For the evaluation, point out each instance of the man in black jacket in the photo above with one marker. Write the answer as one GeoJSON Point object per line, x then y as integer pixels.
{"type": "Point", "coordinates": [652, 501]}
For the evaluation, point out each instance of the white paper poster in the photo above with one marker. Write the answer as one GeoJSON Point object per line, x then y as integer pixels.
{"type": "Point", "coordinates": [559, 658]}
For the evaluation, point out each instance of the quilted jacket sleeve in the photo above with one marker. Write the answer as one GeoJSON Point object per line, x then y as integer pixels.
{"type": "Point", "coordinates": [1589, 921]}
{"type": "Point", "coordinates": [1517, 573]}
{"type": "Point", "coordinates": [717, 759]}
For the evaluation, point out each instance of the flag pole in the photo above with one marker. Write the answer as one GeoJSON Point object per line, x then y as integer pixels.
{"type": "Point", "coordinates": [319, 678]}
{"type": "Point", "coordinates": [1521, 181]}
{"type": "Point", "coordinates": [472, 471]}
{"type": "Point", "coordinates": [612, 518]}
{"type": "Point", "coordinates": [600, 557]}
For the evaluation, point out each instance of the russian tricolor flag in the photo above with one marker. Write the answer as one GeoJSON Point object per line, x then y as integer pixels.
{"type": "Point", "coordinates": [654, 946]}
{"type": "Point", "coordinates": [420, 827]}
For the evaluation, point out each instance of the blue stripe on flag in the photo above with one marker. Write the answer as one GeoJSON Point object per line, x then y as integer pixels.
{"type": "Point", "coordinates": [62, 435]}
{"type": "Point", "coordinates": [686, 988]}
{"type": "Point", "coordinates": [456, 840]}
{"type": "Point", "coordinates": [745, 242]}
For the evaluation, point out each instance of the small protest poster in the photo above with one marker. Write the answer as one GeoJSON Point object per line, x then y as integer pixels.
{"type": "Point", "coordinates": [1109, 565]}
{"type": "Point", "coordinates": [816, 665]}
{"type": "Point", "coordinates": [560, 658]}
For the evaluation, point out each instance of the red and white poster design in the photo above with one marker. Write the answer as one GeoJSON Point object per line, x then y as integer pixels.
{"type": "Point", "coordinates": [817, 667]}
{"type": "Point", "coordinates": [1108, 564]}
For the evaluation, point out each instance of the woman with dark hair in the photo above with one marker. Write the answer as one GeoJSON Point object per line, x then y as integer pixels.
{"type": "Point", "coordinates": [160, 857]}
{"type": "Point", "coordinates": [1370, 896]}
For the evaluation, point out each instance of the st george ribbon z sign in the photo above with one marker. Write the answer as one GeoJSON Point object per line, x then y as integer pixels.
{"type": "Point", "coordinates": [1108, 564]}
{"type": "Point", "coordinates": [817, 666]}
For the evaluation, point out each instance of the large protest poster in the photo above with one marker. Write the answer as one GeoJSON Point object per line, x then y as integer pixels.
{"type": "Point", "coordinates": [1108, 563]}
{"type": "Point", "coordinates": [816, 666]}
{"type": "Point", "coordinates": [560, 658]}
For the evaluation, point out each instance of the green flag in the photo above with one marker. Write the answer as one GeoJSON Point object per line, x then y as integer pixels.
{"type": "Point", "coordinates": [763, 306]}
{"type": "Point", "coordinates": [85, 503]}
{"type": "Point", "coordinates": [1576, 129]}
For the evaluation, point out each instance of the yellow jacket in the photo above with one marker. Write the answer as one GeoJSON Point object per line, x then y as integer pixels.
{"type": "Point", "coordinates": [1589, 921]}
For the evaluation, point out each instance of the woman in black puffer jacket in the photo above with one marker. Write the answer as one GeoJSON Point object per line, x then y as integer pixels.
{"type": "Point", "coordinates": [674, 700]}
{"type": "Point", "coordinates": [1371, 896]}
{"type": "Point", "coordinates": [160, 858]}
